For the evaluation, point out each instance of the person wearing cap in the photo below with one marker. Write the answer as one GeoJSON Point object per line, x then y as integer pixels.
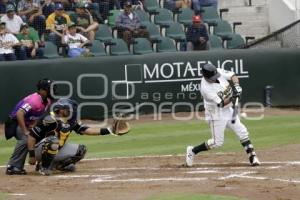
{"type": "Point", "coordinates": [220, 90]}
{"type": "Point", "coordinates": [84, 21]}
{"type": "Point", "coordinates": [29, 39]}
{"type": "Point", "coordinates": [24, 116]}
{"type": "Point", "coordinates": [128, 24]}
{"type": "Point", "coordinates": [13, 21]}
{"type": "Point", "coordinates": [31, 12]}
{"type": "Point", "coordinates": [75, 42]}
{"type": "Point", "coordinates": [197, 35]}
{"type": "Point", "coordinates": [7, 43]}
{"type": "Point", "coordinates": [56, 24]}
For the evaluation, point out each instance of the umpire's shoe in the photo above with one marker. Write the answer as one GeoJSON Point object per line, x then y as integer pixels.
{"type": "Point", "coordinates": [189, 156]}
{"type": "Point", "coordinates": [11, 170]}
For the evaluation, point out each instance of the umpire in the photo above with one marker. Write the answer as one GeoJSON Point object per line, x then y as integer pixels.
{"type": "Point", "coordinates": [21, 119]}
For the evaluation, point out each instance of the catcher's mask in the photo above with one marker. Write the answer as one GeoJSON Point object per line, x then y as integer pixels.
{"type": "Point", "coordinates": [67, 108]}
{"type": "Point", "coordinates": [210, 72]}
{"type": "Point", "coordinates": [46, 84]}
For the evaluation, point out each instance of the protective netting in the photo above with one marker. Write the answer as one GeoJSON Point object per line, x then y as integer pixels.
{"type": "Point", "coordinates": [287, 37]}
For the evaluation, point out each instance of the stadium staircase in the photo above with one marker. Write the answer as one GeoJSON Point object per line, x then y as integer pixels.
{"type": "Point", "coordinates": [254, 17]}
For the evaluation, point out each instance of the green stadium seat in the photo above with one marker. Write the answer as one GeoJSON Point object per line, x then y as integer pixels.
{"type": "Point", "coordinates": [164, 18]}
{"type": "Point", "coordinates": [118, 47]}
{"type": "Point", "coordinates": [142, 46]}
{"type": "Point", "coordinates": [185, 16]}
{"type": "Point", "coordinates": [215, 42]}
{"type": "Point", "coordinates": [166, 45]}
{"type": "Point", "coordinates": [176, 32]}
{"type": "Point", "coordinates": [112, 16]}
{"type": "Point", "coordinates": [50, 51]}
{"type": "Point", "coordinates": [154, 34]}
{"type": "Point", "coordinates": [143, 17]}
{"type": "Point", "coordinates": [151, 6]}
{"type": "Point", "coordinates": [98, 49]}
{"type": "Point", "coordinates": [210, 15]}
{"type": "Point", "coordinates": [236, 42]}
{"type": "Point", "coordinates": [104, 33]}
{"type": "Point", "coordinates": [223, 29]}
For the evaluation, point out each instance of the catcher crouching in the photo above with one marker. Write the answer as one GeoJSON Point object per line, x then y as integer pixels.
{"type": "Point", "coordinates": [47, 140]}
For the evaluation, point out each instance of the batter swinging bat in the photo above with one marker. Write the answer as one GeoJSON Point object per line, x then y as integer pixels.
{"type": "Point", "coordinates": [235, 110]}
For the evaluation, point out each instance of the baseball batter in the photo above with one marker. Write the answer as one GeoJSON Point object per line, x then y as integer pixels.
{"type": "Point", "coordinates": [219, 89]}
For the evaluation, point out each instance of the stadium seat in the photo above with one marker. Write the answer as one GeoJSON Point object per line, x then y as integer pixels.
{"type": "Point", "coordinates": [185, 16]}
{"type": "Point", "coordinates": [112, 16]}
{"type": "Point", "coordinates": [50, 51]}
{"type": "Point", "coordinates": [166, 45]}
{"type": "Point", "coordinates": [164, 18]}
{"type": "Point", "coordinates": [236, 41]}
{"type": "Point", "coordinates": [98, 49]}
{"type": "Point", "coordinates": [151, 6]}
{"type": "Point", "coordinates": [223, 29]}
{"type": "Point", "coordinates": [215, 42]}
{"type": "Point", "coordinates": [118, 47]}
{"type": "Point", "coordinates": [142, 46]}
{"type": "Point", "coordinates": [210, 15]}
{"type": "Point", "coordinates": [154, 34]}
{"type": "Point", "coordinates": [176, 32]}
{"type": "Point", "coordinates": [143, 17]}
{"type": "Point", "coordinates": [104, 33]}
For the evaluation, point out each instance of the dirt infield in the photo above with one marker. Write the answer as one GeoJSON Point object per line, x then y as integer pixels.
{"type": "Point", "coordinates": [142, 177]}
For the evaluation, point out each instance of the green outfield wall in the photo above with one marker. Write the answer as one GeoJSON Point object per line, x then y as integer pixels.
{"type": "Point", "coordinates": [165, 81]}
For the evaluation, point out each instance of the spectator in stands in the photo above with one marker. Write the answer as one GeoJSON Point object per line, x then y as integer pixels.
{"type": "Point", "coordinates": [196, 35]}
{"type": "Point", "coordinates": [29, 39]}
{"type": "Point", "coordinates": [84, 21]}
{"type": "Point", "coordinates": [106, 5]}
{"type": "Point", "coordinates": [75, 42]}
{"type": "Point", "coordinates": [56, 23]}
{"type": "Point", "coordinates": [48, 7]}
{"type": "Point", "coordinates": [7, 43]}
{"type": "Point", "coordinates": [128, 24]}
{"type": "Point", "coordinates": [31, 12]}
{"type": "Point", "coordinates": [13, 21]}
{"type": "Point", "coordinates": [213, 3]}
{"type": "Point", "coordinates": [176, 4]}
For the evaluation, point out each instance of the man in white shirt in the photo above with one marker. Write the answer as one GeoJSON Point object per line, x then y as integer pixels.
{"type": "Point", "coordinates": [219, 89]}
{"type": "Point", "coordinates": [7, 42]}
{"type": "Point", "coordinates": [75, 42]}
{"type": "Point", "coordinates": [13, 21]}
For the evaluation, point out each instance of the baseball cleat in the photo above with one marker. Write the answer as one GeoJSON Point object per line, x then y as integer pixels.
{"type": "Point", "coordinates": [11, 170]}
{"type": "Point", "coordinates": [254, 160]}
{"type": "Point", "coordinates": [45, 172]}
{"type": "Point", "coordinates": [189, 156]}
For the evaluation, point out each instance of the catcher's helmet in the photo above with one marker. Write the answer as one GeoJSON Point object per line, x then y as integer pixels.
{"type": "Point", "coordinates": [68, 104]}
{"type": "Point", "coordinates": [45, 84]}
{"type": "Point", "coordinates": [210, 72]}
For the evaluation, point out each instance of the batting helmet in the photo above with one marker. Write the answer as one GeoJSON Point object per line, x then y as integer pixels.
{"type": "Point", "coordinates": [68, 104]}
{"type": "Point", "coordinates": [210, 72]}
{"type": "Point", "coordinates": [45, 84]}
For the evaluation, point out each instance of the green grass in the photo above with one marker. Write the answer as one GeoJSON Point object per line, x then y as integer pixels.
{"type": "Point", "coordinates": [2, 196]}
{"type": "Point", "coordinates": [172, 138]}
{"type": "Point", "coordinates": [190, 197]}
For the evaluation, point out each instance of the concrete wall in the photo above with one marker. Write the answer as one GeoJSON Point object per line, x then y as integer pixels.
{"type": "Point", "coordinates": [282, 13]}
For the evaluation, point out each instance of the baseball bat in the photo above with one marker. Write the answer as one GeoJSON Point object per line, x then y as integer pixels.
{"type": "Point", "coordinates": [235, 110]}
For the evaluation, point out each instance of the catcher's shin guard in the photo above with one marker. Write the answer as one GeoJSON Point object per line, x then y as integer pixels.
{"type": "Point", "coordinates": [49, 150]}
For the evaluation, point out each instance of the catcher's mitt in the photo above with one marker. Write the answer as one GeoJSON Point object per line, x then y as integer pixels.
{"type": "Point", "coordinates": [120, 126]}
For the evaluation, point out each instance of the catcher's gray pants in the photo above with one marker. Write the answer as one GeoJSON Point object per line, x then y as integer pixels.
{"type": "Point", "coordinates": [18, 157]}
{"type": "Point", "coordinates": [65, 154]}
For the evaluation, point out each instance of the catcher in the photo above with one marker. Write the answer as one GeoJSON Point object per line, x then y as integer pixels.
{"type": "Point", "coordinates": [47, 141]}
